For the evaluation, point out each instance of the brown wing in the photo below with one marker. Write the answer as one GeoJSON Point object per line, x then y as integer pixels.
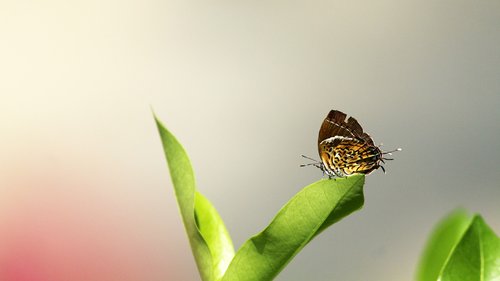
{"type": "Point", "coordinates": [335, 125]}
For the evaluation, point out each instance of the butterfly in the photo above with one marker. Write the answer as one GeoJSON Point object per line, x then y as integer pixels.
{"type": "Point", "coordinates": [344, 149]}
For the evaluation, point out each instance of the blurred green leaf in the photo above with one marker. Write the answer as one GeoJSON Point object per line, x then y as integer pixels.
{"type": "Point", "coordinates": [444, 237]}
{"type": "Point", "coordinates": [209, 239]}
{"type": "Point", "coordinates": [462, 247]}
{"type": "Point", "coordinates": [476, 257]}
{"type": "Point", "coordinates": [310, 211]}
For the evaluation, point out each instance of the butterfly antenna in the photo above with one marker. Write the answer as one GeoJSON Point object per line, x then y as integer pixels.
{"type": "Point", "coordinates": [391, 151]}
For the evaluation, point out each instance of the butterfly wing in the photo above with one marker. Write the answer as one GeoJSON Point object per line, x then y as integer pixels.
{"type": "Point", "coordinates": [336, 125]}
{"type": "Point", "coordinates": [351, 156]}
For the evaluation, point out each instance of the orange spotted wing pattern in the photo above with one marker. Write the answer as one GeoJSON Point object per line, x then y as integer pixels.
{"type": "Point", "coordinates": [345, 149]}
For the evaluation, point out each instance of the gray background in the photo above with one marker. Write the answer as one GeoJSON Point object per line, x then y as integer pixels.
{"type": "Point", "coordinates": [245, 85]}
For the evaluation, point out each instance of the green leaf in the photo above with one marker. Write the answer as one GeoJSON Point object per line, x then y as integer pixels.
{"type": "Point", "coordinates": [210, 242]}
{"type": "Point", "coordinates": [309, 212]}
{"type": "Point", "coordinates": [444, 237]}
{"type": "Point", "coordinates": [476, 257]}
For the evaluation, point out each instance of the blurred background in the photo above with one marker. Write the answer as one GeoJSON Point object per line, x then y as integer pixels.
{"type": "Point", "coordinates": [84, 188]}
